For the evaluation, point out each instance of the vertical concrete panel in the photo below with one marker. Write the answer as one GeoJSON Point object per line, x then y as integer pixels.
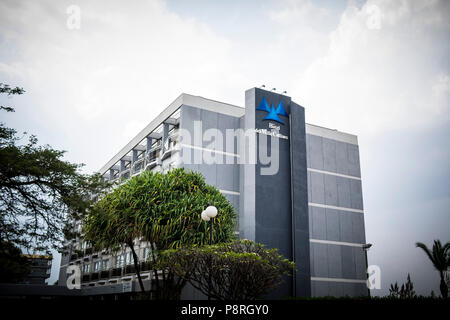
{"type": "Point", "coordinates": [225, 122]}
{"type": "Point", "coordinates": [334, 261]}
{"type": "Point", "coordinates": [309, 187]}
{"type": "Point", "coordinates": [209, 173]}
{"type": "Point", "coordinates": [299, 199]}
{"type": "Point", "coordinates": [317, 188]}
{"type": "Point", "coordinates": [62, 279]}
{"type": "Point", "coordinates": [346, 226]}
{"type": "Point", "coordinates": [319, 225]}
{"type": "Point", "coordinates": [187, 117]}
{"type": "Point", "coordinates": [341, 158]}
{"type": "Point", "coordinates": [209, 121]}
{"type": "Point", "coordinates": [348, 263]}
{"type": "Point", "coordinates": [356, 194]}
{"type": "Point", "coordinates": [320, 288]}
{"type": "Point", "coordinates": [333, 229]}
{"type": "Point", "coordinates": [320, 260]}
{"type": "Point", "coordinates": [315, 152]}
{"type": "Point", "coordinates": [335, 289]}
{"type": "Point", "coordinates": [311, 224]}
{"type": "Point", "coordinates": [329, 155]}
{"type": "Point", "coordinates": [349, 289]}
{"type": "Point", "coordinates": [360, 290]}
{"type": "Point", "coordinates": [343, 190]}
{"type": "Point", "coordinates": [311, 260]}
{"type": "Point", "coordinates": [225, 176]}
{"type": "Point", "coordinates": [353, 160]}
{"type": "Point", "coordinates": [360, 263]}
{"type": "Point", "coordinates": [308, 157]}
{"type": "Point", "coordinates": [359, 235]}
{"type": "Point", "coordinates": [331, 192]}
{"type": "Point", "coordinates": [247, 214]}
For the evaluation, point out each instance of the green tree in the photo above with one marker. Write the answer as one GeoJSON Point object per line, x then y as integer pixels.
{"type": "Point", "coordinates": [239, 270]}
{"type": "Point", "coordinates": [406, 291]}
{"type": "Point", "coordinates": [439, 256]}
{"type": "Point", "coordinates": [163, 209]}
{"type": "Point", "coordinates": [40, 193]}
{"type": "Point", "coordinates": [14, 267]}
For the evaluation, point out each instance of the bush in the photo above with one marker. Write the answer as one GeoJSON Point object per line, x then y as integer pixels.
{"type": "Point", "coordinates": [239, 270]}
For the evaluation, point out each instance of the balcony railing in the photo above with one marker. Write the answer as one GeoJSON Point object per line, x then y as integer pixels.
{"type": "Point", "coordinates": [138, 166]}
{"type": "Point", "coordinates": [116, 272]}
{"type": "Point", "coordinates": [86, 278]}
{"type": "Point", "coordinates": [173, 133]}
{"type": "Point", "coordinates": [95, 276]}
{"type": "Point", "coordinates": [105, 274]}
{"type": "Point", "coordinates": [125, 175]}
{"type": "Point", "coordinates": [146, 266]}
{"type": "Point", "coordinates": [130, 269]}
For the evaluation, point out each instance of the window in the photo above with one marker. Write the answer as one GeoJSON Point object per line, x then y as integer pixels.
{"type": "Point", "coordinates": [147, 254]}
{"type": "Point", "coordinates": [119, 261]}
{"type": "Point", "coordinates": [86, 268]}
{"type": "Point", "coordinates": [129, 258]}
{"type": "Point", "coordinates": [105, 264]}
{"type": "Point", "coordinates": [97, 266]}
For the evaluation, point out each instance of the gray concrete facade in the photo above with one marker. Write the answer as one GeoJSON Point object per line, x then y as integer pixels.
{"type": "Point", "coordinates": [311, 209]}
{"type": "Point", "coordinates": [336, 215]}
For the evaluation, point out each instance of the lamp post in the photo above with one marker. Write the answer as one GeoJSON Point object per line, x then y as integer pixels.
{"type": "Point", "coordinates": [208, 215]}
{"type": "Point", "coordinates": [366, 247]}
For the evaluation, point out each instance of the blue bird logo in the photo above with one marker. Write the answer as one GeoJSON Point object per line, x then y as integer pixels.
{"type": "Point", "coordinates": [273, 114]}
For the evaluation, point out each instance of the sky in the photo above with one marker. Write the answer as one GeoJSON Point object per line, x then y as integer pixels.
{"type": "Point", "coordinates": [378, 69]}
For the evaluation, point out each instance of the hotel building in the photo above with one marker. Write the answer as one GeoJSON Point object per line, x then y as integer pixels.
{"type": "Point", "coordinates": [294, 186]}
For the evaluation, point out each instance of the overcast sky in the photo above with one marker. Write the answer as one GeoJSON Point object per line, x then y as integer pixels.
{"type": "Point", "coordinates": [378, 69]}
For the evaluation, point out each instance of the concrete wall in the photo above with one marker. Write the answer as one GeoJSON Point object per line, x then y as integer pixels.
{"type": "Point", "coordinates": [224, 176]}
{"type": "Point", "coordinates": [336, 216]}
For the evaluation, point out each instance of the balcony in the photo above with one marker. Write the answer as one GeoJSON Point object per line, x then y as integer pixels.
{"type": "Point", "coordinates": [125, 175]}
{"type": "Point", "coordinates": [174, 133]}
{"type": "Point", "coordinates": [172, 148]}
{"type": "Point", "coordinates": [105, 274]}
{"type": "Point", "coordinates": [146, 266]}
{"type": "Point", "coordinates": [152, 160]}
{"type": "Point", "coordinates": [95, 276]}
{"type": "Point", "coordinates": [130, 269]}
{"type": "Point", "coordinates": [86, 278]}
{"type": "Point", "coordinates": [116, 272]}
{"type": "Point", "coordinates": [138, 166]}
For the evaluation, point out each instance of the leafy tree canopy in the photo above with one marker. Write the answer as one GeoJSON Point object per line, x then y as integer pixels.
{"type": "Point", "coordinates": [14, 267]}
{"type": "Point", "coordinates": [161, 208]}
{"type": "Point", "coordinates": [239, 270]}
{"type": "Point", "coordinates": [40, 193]}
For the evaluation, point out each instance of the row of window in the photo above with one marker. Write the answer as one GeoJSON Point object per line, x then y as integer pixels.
{"type": "Point", "coordinates": [121, 260]}
{"type": "Point", "coordinates": [153, 154]}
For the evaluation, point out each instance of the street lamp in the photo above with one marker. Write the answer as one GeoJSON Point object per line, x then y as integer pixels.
{"type": "Point", "coordinates": [366, 247]}
{"type": "Point", "coordinates": [208, 215]}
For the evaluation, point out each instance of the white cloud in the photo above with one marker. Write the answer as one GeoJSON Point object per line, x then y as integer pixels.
{"type": "Point", "coordinates": [385, 68]}
{"type": "Point", "coordinates": [122, 64]}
